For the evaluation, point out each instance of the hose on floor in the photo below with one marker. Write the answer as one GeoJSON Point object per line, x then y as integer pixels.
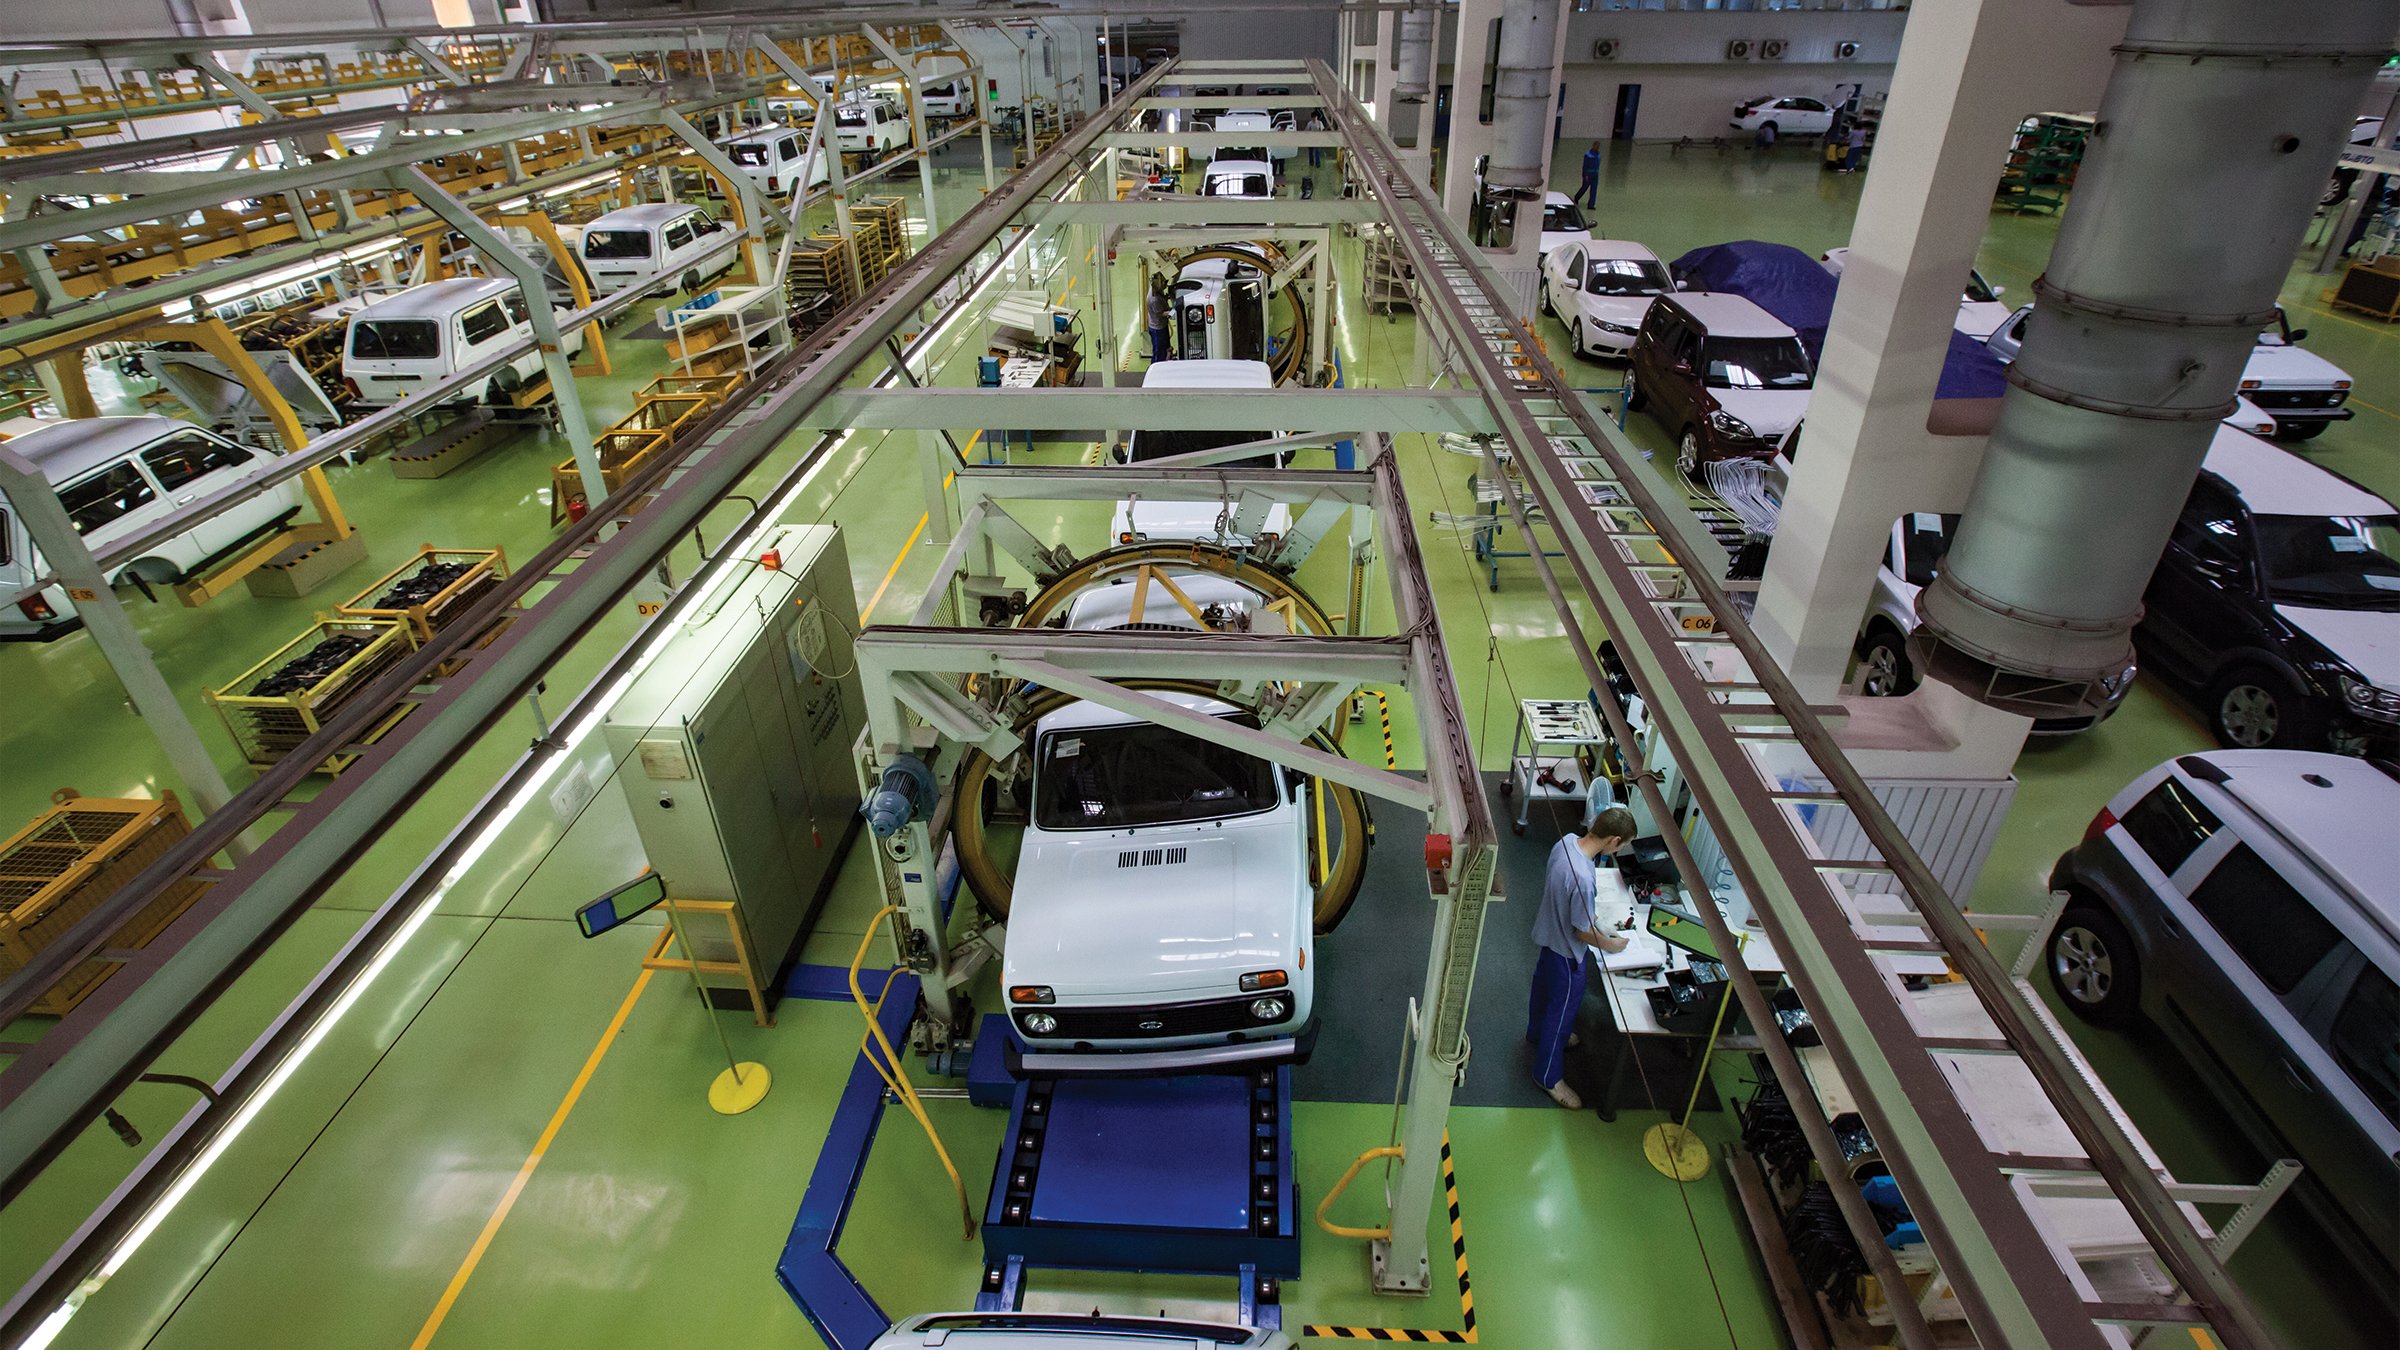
{"type": "Point", "coordinates": [888, 1067]}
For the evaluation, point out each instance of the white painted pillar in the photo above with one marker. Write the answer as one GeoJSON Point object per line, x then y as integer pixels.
{"type": "Point", "coordinates": [1470, 136]}
{"type": "Point", "coordinates": [1967, 72]}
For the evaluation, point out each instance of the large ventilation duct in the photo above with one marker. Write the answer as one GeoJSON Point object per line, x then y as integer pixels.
{"type": "Point", "coordinates": [1412, 70]}
{"type": "Point", "coordinates": [1524, 86]}
{"type": "Point", "coordinates": [2211, 148]}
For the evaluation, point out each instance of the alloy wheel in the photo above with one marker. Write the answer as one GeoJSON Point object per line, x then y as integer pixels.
{"type": "Point", "coordinates": [2081, 961]}
{"type": "Point", "coordinates": [2250, 716]}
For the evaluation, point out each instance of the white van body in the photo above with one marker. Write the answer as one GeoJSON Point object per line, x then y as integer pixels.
{"type": "Point", "coordinates": [1250, 179]}
{"type": "Point", "coordinates": [1261, 121]}
{"type": "Point", "coordinates": [1195, 520]}
{"type": "Point", "coordinates": [122, 476]}
{"type": "Point", "coordinates": [676, 236]}
{"type": "Point", "coordinates": [873, 126]}
{"type": "Point", "coordinates": [1163, 907]}
{"type": "Point", "coordinates": [777, 159]}
{"type": "Point", "coordinates": [950, 99]}
{"type": "Point", "coordinates": [404, 343]}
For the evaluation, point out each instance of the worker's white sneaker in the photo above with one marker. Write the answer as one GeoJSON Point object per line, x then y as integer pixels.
{"type": "Point", "coordinates": [1565, 1096]}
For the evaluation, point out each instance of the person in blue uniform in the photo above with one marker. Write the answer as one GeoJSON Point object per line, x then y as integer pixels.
{"type": "Point", "coordinates": [1563, 928]}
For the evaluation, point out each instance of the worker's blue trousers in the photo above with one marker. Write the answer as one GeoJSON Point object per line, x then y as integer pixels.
{"type": "Point", "coordinates": [1557, 995]}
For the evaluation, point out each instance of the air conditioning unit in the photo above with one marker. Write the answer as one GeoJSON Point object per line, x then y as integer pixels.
{"type": "Point", "coordinates": [1605, 50]}
{"type": "Point", "coordinates": [1772, 49]}
{"type": "Point", "coordinates": [1738, 49]}
{"type": "Point", "coordinates": [1845, 51]}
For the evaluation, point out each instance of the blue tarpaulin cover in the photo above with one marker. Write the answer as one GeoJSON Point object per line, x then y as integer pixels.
{"type": "Point", "coordinates": [1797, 289]}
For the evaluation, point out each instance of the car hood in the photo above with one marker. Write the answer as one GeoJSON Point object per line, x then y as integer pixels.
{"type": "Point", "coordinates": [1770, 412]}
{"type": "Point", "coordinates": [1184, 521]}
{"type": "Point", "coordinates": [2366, 640]}
{"type": "Point", "coordinates": [1108, 914]}
{"type": "Point", "coordinates": [1979, 319]}
{"type": "Point", "coordinates": [1628, 310]}
{"type": "Point", "coordinates": [2291, 367]}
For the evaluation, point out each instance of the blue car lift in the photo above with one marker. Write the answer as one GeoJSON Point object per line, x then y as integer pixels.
{"type": "Point", "coordinates": [1189, 1175]}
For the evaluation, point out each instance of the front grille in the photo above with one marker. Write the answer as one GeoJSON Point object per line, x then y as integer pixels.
{"type": "Point", "coordinates": [1174, 1019]}
{"type": "Point", "coordinates": [2297, 398]}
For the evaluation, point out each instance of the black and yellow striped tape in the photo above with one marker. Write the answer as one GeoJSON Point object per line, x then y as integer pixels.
{"type": "Point", "coordinates": [1458, 1248]}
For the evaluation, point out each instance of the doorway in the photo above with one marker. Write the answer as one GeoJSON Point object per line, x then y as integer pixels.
{"type": "Point", "coordinates": [1629, 103]}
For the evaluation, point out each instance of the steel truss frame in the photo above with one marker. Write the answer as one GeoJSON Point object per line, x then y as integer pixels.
{"type": "Point", "coordinates": [1739, 732]}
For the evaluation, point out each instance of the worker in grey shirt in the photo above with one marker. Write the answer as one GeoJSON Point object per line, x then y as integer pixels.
{"type": "Point", "coordinates": [1563, 928]}
{"type": "Point", "coordinates": [1154, 308]}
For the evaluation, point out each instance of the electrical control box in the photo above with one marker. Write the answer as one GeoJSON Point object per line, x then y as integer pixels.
{"type": "Point", "coordinates": [733, 745]}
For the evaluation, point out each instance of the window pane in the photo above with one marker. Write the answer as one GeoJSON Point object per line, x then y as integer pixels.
{"type": "Point", "coordinates": [2211, 523]}
{"type": "Point", "coordinates": [483, 323]}
{"type": "Point", "coordinates": [2169, 823]}
{"type": "Point", "coordinates": [185, 457]}
{"type": "Point", "coordinates": [105, 496]}
{"type": "Point", "coordinates": [395, 340]}
{"type": "Point", "coordinates": [2267, 923]}
{"type": "Point", "coordinates": [2366, 1039]}
{"type": "Point", "coordinates": [616, 244]}
{"type": "Point", "coordinates": [515, 305]}
{"type": "Point", "coordinates": [1098, 778]}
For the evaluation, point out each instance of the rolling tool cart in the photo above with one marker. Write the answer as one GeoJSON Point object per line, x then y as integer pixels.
{"type": "Point", "coordinates": [1552, 757]}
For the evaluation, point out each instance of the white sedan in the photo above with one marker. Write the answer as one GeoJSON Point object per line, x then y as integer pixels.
{"type": "Point", "coordinates": [1795, 115]}
{"type": "Point", "coordinates": [1980, 312]}
{"type": "Point", "coordinates": [1601, 289]}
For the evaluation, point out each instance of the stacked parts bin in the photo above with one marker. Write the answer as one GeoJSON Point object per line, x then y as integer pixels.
{"type": "Point", "coordinates": [66, 864]}
{"type": "Point", "coordinates": [278, 704]}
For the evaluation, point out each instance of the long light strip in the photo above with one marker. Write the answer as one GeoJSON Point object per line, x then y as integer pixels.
{"type": "Point", "coordinates": [771, 518]}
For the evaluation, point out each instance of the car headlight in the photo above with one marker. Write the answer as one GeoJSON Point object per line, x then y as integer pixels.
{"type": "Point", "coordinates": [2369, 701]}
{"type": "Point", "coordinates": [1270, 1009]}
{"type": "Point", "coordinates": [1606, 327]}
{"type": "Point", "coordinates": [1729, 425]}
{"type": "Point", "coordinates": [1040, 1023]}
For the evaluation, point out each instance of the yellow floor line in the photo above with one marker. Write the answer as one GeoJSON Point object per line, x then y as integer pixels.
{"type": "Point", "coordinates": [516, 1187]}
{"type": "Point", "coordinates": [2372, 407]}
{"type": "Point", "coordinates": [877, 597]}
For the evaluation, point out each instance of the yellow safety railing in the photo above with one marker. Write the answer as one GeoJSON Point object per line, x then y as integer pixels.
{"type": "Point", "coordinates": [892, 1077]}
{"type": "Point", "coordinates": [1386, 1151]}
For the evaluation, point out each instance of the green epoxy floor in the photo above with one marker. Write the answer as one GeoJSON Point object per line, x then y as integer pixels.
{"type": "Point", "coordinates": [341, 1214]}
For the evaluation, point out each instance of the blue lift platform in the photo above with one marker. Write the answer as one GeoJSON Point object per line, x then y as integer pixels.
{"type": "Point", "coordinates": [1191, 1174]}
{"type": "Point", "coordinates": [1188, 1175]}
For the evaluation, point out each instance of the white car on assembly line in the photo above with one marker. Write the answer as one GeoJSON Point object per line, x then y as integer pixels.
{"type": "Point", "coordinates": [1162, 919]}
{"type": "Point", "coordinates": [2301, 392]}
{"type": "Point", "coordinates": [1601, 289]}
{"type": "Point", "coordinates": [1980, 312]}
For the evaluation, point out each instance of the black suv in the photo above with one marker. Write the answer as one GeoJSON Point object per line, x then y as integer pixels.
{"type": "Point", "coordinates": [2278, 598]}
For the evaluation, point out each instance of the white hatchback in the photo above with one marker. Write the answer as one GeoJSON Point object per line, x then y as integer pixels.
{"type": "Point", "coordinates": [1790, 115]}
{"type": "Point", "coordinates": [1163, 913]}
{"type": "Point", "coordinates": [1601, 289]}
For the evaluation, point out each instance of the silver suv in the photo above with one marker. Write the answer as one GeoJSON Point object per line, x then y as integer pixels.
{"type": "Point", "coordinates": [2246, 903]}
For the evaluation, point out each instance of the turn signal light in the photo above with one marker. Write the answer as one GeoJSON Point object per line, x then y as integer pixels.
{"type": "Point", "coordinates": [1030, 993]}
{"type": "Point", "coordinates": [2249, 384]}
{"type": "Point", "coordinates": [36, 609]}
{"type": "Point", "coordinates": [1264, 979]}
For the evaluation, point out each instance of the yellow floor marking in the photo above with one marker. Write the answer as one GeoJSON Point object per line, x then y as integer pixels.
{"type": "Point", "coordinates": [2364, 404]}
{"type": "Point", "coordinates": [541, 1146]}
{"type": "Point", "coordinates": [922, 522]}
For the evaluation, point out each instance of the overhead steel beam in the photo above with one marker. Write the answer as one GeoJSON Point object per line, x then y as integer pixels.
{"type": "Point", "coordinates": [1224, 211]}
{"type": "Point", "coordinates": [1337, 412]}
{"type": "Point", "coordinates": [1060, 482]}
{"type": "Point", "coordinates": [1213, 140]}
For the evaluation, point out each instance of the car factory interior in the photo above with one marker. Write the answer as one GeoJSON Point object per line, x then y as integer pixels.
{"type": "Point", "coordinates": [588, 584]}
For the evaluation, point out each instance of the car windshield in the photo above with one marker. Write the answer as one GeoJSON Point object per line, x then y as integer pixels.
{"type": "Point", "coordinates": [395, 340]}
{"type": "Point", "coordinates": [1160, 444]}
{"type": "Point", "coordinates": [748, 154]}
{"type": "Point", "coordinates": [1113, 778]}
{"type": "Point", "coordinates": [1978, 290]}
{"type": "Point", "coordinates": [2332, 562]}
{"type": "Point", "coordinates": [1627, 276]}
{"type": "Point", "coordinates": [616, 244]}
{"type": "Point", "coordinates": [1239, 185]}
{"type": "Point", "coordinates": [1757, 363]}
{"type": "Point", "coordinates": [1563, 218]}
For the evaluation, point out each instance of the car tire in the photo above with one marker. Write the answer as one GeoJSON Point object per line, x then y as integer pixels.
{"type": "Point", "coordinates": [1687, 453]}
{"type": "Point", "coordinates": [691, 281]}
{"type": "Point", "coordinates": [2092, 965]}
{"type": "Point", "coordinates": [2300, 431]}
{"type": "Point", "coordinates": [1771, 128]}
{"type": "Point", "coordinates": [1575, 338]}
{"type": "Point", "coordinates": [1633, 393]}
{"type": "Point", "coordinates": [1883, 668]}
{"type": "Point", "coordinates": [2254, 708]}
{"type": "Point", "coordinates": [1549, 306]}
